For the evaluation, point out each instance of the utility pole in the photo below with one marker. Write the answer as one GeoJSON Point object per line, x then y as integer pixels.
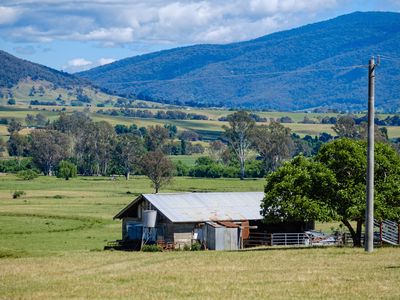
{"type": "Point", "coordinates": [369, 214]}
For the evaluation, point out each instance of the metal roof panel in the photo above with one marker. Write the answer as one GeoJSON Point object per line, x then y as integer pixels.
{"type": "Point", "coordinates": [202, 207]}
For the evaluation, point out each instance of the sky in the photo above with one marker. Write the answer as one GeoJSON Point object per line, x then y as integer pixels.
{"type": "Point", "coordinates": [77, 35]}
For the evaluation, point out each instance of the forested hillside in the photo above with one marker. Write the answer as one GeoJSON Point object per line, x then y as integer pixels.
{"type": "Point", "coordinates": [290, 70]}
{"type": "Point", "coordinates": [14, 69]}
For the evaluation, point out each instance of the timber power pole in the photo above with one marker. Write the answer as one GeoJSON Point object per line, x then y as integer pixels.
{"type": "Point", "coordinates": [369, 214]}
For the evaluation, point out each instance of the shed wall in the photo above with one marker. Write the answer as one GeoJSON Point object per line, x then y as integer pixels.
{"type": "Point", "coordinates": [183, 233]}
{"type": "Point", "coordinates": [125, 222]}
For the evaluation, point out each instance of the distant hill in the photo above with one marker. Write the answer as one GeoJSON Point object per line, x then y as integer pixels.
{"type": "Point", "coordinates": [25, 81]}
{"type": "Point", "coordinates": [273, 71]}
{"type": "Point", "coordinates": [14, 69]}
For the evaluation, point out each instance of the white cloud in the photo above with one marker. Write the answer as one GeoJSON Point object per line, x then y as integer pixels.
{"type": "Point", "coordinates": [105, 61]}
{"type": "Point", "coordinates": [174, 22]}
{"type": "Point", "coordinates": [8, 15]}
{"type": "Point", "coordinates": [82, 64]}
{"type": "Point", "coordinates": [79, 62]}
{"type": "Point", "coordinates": [110, 35]}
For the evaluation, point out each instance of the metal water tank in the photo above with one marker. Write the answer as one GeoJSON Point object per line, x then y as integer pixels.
{"type": "Point", "coordinates": [149, 218]}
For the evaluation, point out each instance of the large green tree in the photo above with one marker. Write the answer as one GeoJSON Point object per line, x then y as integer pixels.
{"type": "Point", "coordinates": [333, 186]}
{"type": "Point", "coordinates": [238, 135]}
{"type": "Point", "coordinates": [128, 150]}
{"type": "Point", "coordinates": [156, 137]}
{"type": "Point", "coordinates": [274, 143]}
{"type": "Point", "coordinates": [48, 148]}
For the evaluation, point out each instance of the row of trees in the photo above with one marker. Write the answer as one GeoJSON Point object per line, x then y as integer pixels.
{"type": "Point", "coordinates": [97, 148]}
{"type": "Point", "coordinates": [275, 143]}
{"type": "Point", "coordinates": [148, 114]}
{"type": "Point", "coordinates": [94, 147]}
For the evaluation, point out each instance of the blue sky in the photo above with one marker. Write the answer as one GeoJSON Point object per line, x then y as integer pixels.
{"type": "Point", "coordinates": [75, 35]}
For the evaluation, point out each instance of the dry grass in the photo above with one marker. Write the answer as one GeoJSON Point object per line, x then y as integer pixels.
{"type": "Point", "coordinates": [51, 241]}
{"type": "Point", "coordinates": [280, 274]}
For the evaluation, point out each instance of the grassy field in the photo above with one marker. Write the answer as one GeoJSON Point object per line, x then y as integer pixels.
{"type": "Point", "coordinates": [51, 242]}
{"type": "Point", "coordinates": [276, 274]}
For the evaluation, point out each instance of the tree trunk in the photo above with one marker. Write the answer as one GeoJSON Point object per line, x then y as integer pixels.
{"type": "Point", "coordinates": [127, 175]}
{"type": "Point", "coordinates": [357, 241]}
{"type": "Point", "coordinates": [241, 170]}
{"type": "Point", "coordinates": [355, 235]}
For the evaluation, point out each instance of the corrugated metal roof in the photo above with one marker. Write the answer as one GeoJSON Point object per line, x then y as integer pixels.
{"type": "Point", "coordinates": [202, 207]}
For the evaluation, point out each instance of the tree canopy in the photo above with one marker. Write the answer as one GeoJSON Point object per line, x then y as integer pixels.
{"type": "Point", "coordinates": [332, 186]}
{"type": "Point", "coordinates": [158, 168]}
{"type": "Point", "coordinates": [238, 134]}
{"type": "Point", "coordinates": [274, 144]}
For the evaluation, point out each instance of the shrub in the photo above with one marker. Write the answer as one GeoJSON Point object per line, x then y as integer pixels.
{"type": "Point", "coordinates": [66, 170]}
{"type": "Point", "coordinates": [181, 169]}
{"type": "Point", "coordinates": [195, 246]}
{"type": "Point", "coordinates": [18, 194]}
{"type": "Point", "coordinates": [186, 247]}
{"type": "Point", "coordinates": [27, 174]}
{"type": "Point", "coordinates": [16, 165]}
{"type": "Point", "coordinates": [11, 101]}
{"type": "Point", "coordinates": [151, 248]}
{"type": "Point", "coordinates": [254, 169]}
{"type": "Point", "coordinates": [231, 172]}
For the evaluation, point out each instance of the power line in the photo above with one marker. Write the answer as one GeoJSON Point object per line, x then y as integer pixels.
{"type": "Point", "coordinates": [242, 75]}
{"type": "Point", "coordinates": [386, 57]}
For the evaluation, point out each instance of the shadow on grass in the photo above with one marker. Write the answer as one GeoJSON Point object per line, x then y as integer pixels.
{"type": "Point", "coordinates": [392, 267]}
{"type": "Point", "coordinates": [280, 248]}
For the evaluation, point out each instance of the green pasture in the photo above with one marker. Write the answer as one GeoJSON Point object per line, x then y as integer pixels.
{"type": "Point", "coordinates": [51, 242]}
{"type": "Point", "coordinates": [57, 215]}
{"type": "Point", "coordinates": [188, 160]}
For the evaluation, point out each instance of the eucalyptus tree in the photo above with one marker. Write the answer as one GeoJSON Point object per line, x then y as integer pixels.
{"type": "Point", "coordinates": [128, 150]}
{"type": "Point", "coordinates": [238, 134]}
{"type": "Point", "coordinates": [274, 144]}
{"type": "Point", "coordinates": [48, 148]}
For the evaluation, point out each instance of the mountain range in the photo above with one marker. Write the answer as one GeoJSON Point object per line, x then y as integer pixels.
{"type": "Point", "coordinates": [312, 66]}
{"type": "Point", "coordinates": [322, 65]}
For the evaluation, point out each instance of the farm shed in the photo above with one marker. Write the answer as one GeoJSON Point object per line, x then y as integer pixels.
{"type": "Point", "coordinates": [219, 221]}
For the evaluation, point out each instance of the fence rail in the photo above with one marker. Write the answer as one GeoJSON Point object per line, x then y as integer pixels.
{"type": "Point", "coordinates": [389, 231]}
{"type": "Point", "coordinates": [275, 239]}
{"type": "Point", "coordinates": [289, 239]}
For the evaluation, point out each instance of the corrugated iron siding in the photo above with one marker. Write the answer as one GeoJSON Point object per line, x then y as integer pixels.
{"type": "Point", "coordinates": [202, 207]}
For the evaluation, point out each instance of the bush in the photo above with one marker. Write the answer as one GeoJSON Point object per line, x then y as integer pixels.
{"type": "Point", "coordinates": [151, 248]}
{"type": "Point", "coordinates": [18, 194]}
{"type": "Point", "coordinates": [195, 247]}
{"type": "Point", "coordinates": [66, 170]}
{"type": "Point", "coordinates": [206, 167]}
{"type": "Point", "coordinates": [27, 174]}
{"type": "Point", "coordinates": [11, 101]}
{"type": "Point", "coordinates": [16, 165]}
{"type": "Point", "coordinates": [181, 169]}
{"type": "Point", "coordinates": [186, 247]}
{"type": "Point", "coordinates": [254, 169]}
{"type": "Point", "coordinates": [230, 172]}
